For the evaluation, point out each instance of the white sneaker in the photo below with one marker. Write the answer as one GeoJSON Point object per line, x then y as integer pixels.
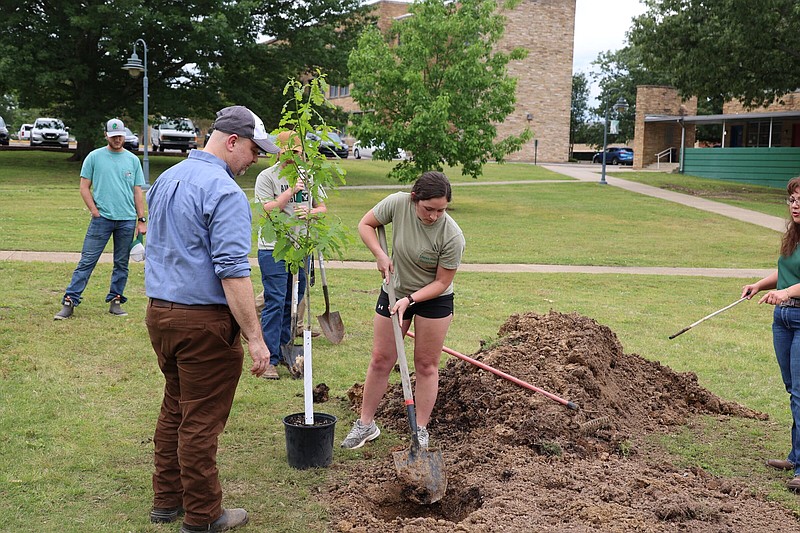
{"type": "Point", "coordinates": [360, 434]}
{"type": "Point", "coordinates": [423, 437]}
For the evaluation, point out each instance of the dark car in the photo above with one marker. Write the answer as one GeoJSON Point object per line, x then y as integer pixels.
{"type": "Point", "coordinates": [615, 156]}
{"type": "Point", "coordinates": [334, 146]}
{"type": "Point", "coordinates": [131, 141]}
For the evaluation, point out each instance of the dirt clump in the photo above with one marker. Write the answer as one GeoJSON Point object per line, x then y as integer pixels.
{"type": "Point", "coordinates": [519, 461]}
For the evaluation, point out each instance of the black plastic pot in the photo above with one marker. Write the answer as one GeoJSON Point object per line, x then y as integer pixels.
{"type": "Point", "coordinates": [309, 446]}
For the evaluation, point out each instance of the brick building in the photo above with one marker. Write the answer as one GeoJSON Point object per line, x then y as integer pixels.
{"type": "Point", "coordinates": [544, 79]}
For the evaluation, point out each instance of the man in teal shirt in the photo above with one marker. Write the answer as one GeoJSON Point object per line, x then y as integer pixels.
{"type": "Point", "coordinates": [111, 188]}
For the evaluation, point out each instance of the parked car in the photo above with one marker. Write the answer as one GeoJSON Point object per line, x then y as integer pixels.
{"type": "Point", "coordinates": [180, 134]}
{"type": "Point", "coordinates": [615, 156]}
{"type": "Point", "coordinates": [333, 147]}
{"type": "Point", "coordinates": [4, 138]}
{"type": "Point", "coordinates": [360, 151]}
{"type": "Point", "coordinates": [131, 141]}
{"type": "Point", "coordinates": [49, 132]}
{"type": "Point", "coordinates": [25, 132]}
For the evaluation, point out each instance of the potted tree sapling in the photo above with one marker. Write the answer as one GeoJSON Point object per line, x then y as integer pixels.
{"type": "Point", "coordinates": [309, 435]}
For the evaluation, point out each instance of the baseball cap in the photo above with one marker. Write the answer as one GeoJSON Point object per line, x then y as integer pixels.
{"type": "Point", "coordinates": [290, 140]}
{"type": "Point", "coordinates": [115, 127]}
{"type": "Point", "coordinates": [241, 121]}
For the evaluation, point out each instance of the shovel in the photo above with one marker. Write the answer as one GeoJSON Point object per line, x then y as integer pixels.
{"type": "Point", "coordinates": [290, 352]}
{"type": "Point", "coordinates": [331, 323]}
{"type": "Point", "coordinates": [421, 471]}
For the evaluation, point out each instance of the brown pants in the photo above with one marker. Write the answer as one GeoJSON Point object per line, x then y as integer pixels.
{"type": "Point", "coordinates": [200, 355]}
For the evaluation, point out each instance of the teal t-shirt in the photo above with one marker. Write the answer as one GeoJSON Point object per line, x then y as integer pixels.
{"type": "Point", "coordinates": [419, 249]}
{"type": "Point", "coordinates": [113, 176]}
{"type": "Point", "coordinates": [789, 270]}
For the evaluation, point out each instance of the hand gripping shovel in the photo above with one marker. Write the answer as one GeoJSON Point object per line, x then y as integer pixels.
{"type": "Point", "coordinates": [421, 471]}
{"type": "Point", "coordinates": [331, 323]}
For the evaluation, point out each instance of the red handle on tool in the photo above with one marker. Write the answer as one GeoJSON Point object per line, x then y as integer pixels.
{"type": "Point", "coordinates": [525, 384]}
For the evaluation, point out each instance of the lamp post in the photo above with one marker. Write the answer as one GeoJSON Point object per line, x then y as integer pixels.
{"type": "Point", "coordinates": [135, 66]}
{"type": "Point", "coordinates": [620, 106]}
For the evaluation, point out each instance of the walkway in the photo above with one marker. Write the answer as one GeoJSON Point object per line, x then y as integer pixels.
{"type": "Point", "coordinates": [577, 171]}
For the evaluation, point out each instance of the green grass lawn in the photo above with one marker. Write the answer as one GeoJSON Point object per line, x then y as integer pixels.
{"type": "Point", "coordinates": [80, 397]}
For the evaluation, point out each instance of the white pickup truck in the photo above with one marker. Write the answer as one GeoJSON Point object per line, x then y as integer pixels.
{"type": "Point", "coordinates": [179, 134]}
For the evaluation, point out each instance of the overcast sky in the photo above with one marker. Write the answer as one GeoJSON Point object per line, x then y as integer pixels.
{"type": "Point", "coordinates": [600, 26]}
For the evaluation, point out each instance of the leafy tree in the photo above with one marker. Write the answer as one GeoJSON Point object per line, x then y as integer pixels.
{"type": "Point", "coordinates": [579, 116]}
{"type": "Point", "coordinates": [436, 86]}
{"type": "Point", "coordinates": [66, 57]}
{"type": "Point", "coordinates": [723, 49]}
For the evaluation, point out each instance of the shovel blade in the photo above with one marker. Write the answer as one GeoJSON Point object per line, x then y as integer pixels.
{"type": "Point", "coordinates": [422, 474]}
{"type": "Point", "coordinates": [332, 326]}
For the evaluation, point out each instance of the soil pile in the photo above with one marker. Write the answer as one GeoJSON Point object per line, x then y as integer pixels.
{"type": "Point", "coordinates": [519, 461]}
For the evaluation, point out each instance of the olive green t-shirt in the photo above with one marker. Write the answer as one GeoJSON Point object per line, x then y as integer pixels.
{"type": "Point", "coordinates": [419, 249]}
{"type": "Point", "coordinates": [789, 270]}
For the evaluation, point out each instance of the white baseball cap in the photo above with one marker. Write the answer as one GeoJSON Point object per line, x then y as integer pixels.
{"type": "Point", "coordinates": [115, 128]}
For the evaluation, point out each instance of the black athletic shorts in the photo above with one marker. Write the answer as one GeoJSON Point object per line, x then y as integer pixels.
{"type": "Point", "coordinates": [439, 307]}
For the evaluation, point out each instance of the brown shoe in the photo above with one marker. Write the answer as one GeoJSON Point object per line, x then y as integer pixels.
{"type": "Point", "coordinates": [271, 373]}
{"type": "Point", "coordinates": [794, 484]}
{"type": "Point", "coordinates": [780, 464]}
{"type": "Point", "coordinates": [230, 519]}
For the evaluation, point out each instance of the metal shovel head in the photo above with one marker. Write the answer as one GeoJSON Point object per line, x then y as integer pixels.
{"type": "Point", "coordinates": [290, 352]}
{"type": "Point", "coordinates": [422, 474]}
{"type": "Point", "coordinates": [332, 326]}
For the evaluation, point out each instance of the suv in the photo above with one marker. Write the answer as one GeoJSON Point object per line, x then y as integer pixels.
{"type": "Point", "coordinates": [615, 156]}
{"type": "Point", "coordinates": [179, 133]}
{"type": "Point", "coordinates": [4, 138]}
{"type": "Point", "coordinates": [334, 146]}
{"type": "Point", "coordinates": [49, 132]}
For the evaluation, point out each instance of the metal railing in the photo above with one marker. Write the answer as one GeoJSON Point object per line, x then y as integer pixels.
{"type": "Point", "coordinates": [663, 153]}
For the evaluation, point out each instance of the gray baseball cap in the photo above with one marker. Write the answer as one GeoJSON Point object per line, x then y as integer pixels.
{"type": "Point", "coordinates": [241, 121]}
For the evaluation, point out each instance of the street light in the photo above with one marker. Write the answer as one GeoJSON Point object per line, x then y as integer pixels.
{"type": "Point", "coordinates": [620, 107]}
{"type": "Point", "coordinates": [135, 66]}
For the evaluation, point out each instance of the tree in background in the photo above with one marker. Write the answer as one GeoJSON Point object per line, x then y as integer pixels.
{"type": "Point", "coordinates": [579, 115]}
{"type": "Point", "coordinates": [724, 49]}
{"type": "Point", "coordinates": [436, 86]}
{"type": "Point", "coordinates": [66, 57]}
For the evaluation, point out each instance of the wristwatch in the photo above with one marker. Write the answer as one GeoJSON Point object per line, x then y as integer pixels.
{"type": "Point", "coordinates": [142, 219]}
{"type": "Point", "coordinates": [410, 300]}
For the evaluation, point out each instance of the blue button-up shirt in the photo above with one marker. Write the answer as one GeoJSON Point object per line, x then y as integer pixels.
{"type": "Point", "coordinates": [198, 232]}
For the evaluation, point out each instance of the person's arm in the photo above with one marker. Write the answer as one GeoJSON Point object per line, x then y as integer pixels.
{"type": "Point", "coordinates": [367, 230]}
{"type": "Point", "coordinates": [444, 277]}
{"type": "Point", "coordinates": [88, 199]}
{"type": "Point", "coordinates": [138, 201]}
{"type": "Point", "coordinates": [285, 197]}
{"type": "Point", "coordinates": [239, 294]}
{"type": "Point", "coordinates": [769, 282]}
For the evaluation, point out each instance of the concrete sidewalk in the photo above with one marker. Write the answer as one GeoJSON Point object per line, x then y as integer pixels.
{"type": "Point", "coordinates": [592, 173]}
{"type": "Point", "coordinates": [73, 257]}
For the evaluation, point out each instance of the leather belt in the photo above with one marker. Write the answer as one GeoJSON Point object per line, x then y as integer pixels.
{"type": "Point", "coordinates": [791, 302]}
{"type": "Point", "coordinates": [156, 302]}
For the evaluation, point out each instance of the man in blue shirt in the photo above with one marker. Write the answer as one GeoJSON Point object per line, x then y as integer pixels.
{"type": "Point", "coordinates": [197, 278]}
{"type": "Point", "coordinates": [111, 188]}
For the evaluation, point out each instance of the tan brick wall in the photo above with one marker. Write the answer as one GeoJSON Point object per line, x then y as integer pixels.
{"type": "Point", "coordinates": [658, 136]}
{"type": "Point", "coordinates": [546, 28]}
{"type": "Point", "coordinates": [544, 88]}
{"type": "Point", "coordinates": [789, 102]}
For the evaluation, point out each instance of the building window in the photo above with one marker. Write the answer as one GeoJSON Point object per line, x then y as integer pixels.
{"type": "Point", "coordinates": [758, 134]}
{"type": "Point", "coordinates": [339, 91]}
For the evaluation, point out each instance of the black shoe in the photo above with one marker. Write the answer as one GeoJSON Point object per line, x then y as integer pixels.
{"type": "Point", "coordinates": [230, 519]}
{"type": "Point", "coordinates": [160, 515]}
{"type": "Point", "coordinates": [66, 310]}
{"type": "Point", "coordinates": [114, 307]}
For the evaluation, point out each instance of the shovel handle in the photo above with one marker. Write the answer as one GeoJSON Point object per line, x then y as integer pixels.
{"type": "Point", "coordinates": [402, 362]}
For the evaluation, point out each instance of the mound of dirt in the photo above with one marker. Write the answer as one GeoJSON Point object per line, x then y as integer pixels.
{"type": "Point", "coordinates": [519, 461]}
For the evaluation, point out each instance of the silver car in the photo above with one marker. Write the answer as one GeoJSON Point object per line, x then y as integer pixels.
{"type": "Point", "coordinates": [49, 132]}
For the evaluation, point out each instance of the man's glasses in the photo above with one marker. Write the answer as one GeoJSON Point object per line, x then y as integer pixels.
{"type": "Point", "coordinates": [792, 200]}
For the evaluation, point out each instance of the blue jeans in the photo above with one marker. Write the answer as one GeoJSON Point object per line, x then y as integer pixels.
{"type": "Point", "coordinates": [98, 233]}
{"type": "Point", "coordinates": [276, 317]}
{"type": "Point", "coordinates": [786, 338]}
